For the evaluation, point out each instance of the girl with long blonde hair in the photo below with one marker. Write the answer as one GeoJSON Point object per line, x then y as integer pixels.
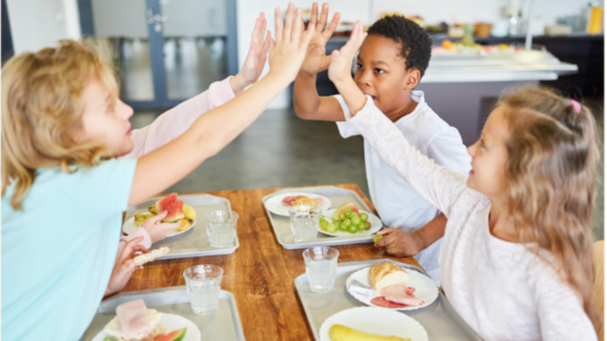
{"type": "Point", "coordinates": [516, 258]}
{"type": "Point", "coordinates": [64, 190]}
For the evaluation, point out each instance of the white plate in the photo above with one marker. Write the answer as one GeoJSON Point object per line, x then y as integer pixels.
{"type": "Point", "coordinates": [375, 321]}
{"type": "Point", "coordinates": [130, 227]}
{"type": "Point", "coordinates": [172, 322]}
{"type": "Point", "coordinates": [274, 204]}
{"type": "Point", "coordinates": [425, 289]}
{"type": "Point", "coordinates": [376, 225]}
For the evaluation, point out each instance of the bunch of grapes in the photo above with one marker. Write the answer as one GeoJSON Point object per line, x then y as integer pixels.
{"type": "Point", "coordinates": [348, 221]}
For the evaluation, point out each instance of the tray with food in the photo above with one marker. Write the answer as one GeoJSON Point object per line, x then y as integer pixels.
{"type": "Point", "coordinates": [191, 238]}
{"type": "Point", "coordinates": [164, 315]}
{"type": "Point", "coordinates": [346, 219]}
{"type": "Point", "coordinates": [367, 295]}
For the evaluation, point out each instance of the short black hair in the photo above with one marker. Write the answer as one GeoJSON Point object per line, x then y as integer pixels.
{"type": "Point", "coordinates": [415, 42]}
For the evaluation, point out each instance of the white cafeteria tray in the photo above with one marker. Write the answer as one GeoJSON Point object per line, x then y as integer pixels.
{"type": "Point", "coordinates": [223, 325]}
{"type": "Point", "coordinates": [439, 319]}
{"type": "Point", "coordinates": [195, 242]}
{"type": "Point", "coordinates": [338, 196]}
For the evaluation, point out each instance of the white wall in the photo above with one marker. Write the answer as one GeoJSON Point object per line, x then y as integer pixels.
{"type": "Point", "coordinates": [433, 11]}
{"type": "Point", "coordinates": [41, 23]}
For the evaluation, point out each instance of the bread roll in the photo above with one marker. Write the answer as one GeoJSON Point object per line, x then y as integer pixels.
{"type": "Point", "coordinates": [387, 274]}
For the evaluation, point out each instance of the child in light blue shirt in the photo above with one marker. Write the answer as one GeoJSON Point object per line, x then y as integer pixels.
{"type": "Point", "coordinates": [63, 193]}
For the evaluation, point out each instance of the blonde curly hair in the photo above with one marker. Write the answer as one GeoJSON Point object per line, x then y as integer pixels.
{"type": "Point", "coordinates": [42, 106]}
{"type": "Point", "coordinates": [553, 157]}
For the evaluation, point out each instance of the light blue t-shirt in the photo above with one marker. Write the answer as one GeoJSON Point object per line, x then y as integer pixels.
{"type": "Point", "coordinates": [59, 250]}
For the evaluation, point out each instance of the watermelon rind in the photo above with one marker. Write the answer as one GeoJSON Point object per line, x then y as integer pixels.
{"type": "Point", "coordinates": [176, 213]}
{"type": "Point", "coordinates": [343, 207]}
{"type": "Point", "coordinates": [175, 335]}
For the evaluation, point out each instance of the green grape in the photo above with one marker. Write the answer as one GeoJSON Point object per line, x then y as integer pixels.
{"type": "Point", "coordinates": [350, 214]}
{"type": "Point", "coordinates": [341, 216]}
{"type": "Point", "coordinates": [367, 225]}
{"type": "Point", "coordinates": [356, 220]}
{"type": "Point", "coordinates": [323, 224]}
{"type": "Point", "coordinates": [377, 238]}
{"type": "Point", "coordinates": [361, 226]}
{"type": "Point", "coordinates": [342, 227]}
{"type": "Point", "coordinates": [347, 210]}
{"type": "Point", "coordinates": [363, 216]}
{"type": "Point", "coordinates": [331, 228]}
{"type": "Point", "coordinates": [346, 222]}
{"type": "Point", "coordinates": [353, 228]}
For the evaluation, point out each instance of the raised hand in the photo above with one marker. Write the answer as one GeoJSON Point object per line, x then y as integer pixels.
{"type": "Point", "coordinates": [316, 59]}
{"type": "Point", "coordinates": [287, 55]}
{"type": "Point", "coordinates": [256, 58]}
{"type": "Point", "coordinates": [340, 68]}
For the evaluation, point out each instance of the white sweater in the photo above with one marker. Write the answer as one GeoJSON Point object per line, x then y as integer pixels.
{"type": "Point", "coordinates": [500, 289]}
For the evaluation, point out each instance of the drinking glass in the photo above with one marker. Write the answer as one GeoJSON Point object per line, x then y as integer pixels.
{"type": "Point", "coordinates": [321, 267]}
{"type": "Point", "coordinates": [221, 227]}
{"type": "Point", "coordinates": [304, 222]}
{"type": "Point", "coordinates": [203, 283]}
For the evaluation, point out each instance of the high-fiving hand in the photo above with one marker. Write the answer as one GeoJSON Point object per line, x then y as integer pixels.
{"type": "Point", "coordinates": [340, 68]}
{"type": "Point", "coordinates": [256, 58]}
{"type": "Point", "coordinates": [316, 59]}
{"type": "Point", "coordinates": [287, 55]}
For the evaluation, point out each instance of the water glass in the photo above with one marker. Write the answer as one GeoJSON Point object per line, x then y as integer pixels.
{"type": "Point", "coordinates": [321, 267]}
{"type": "Point", "coordinates": [221, 227]}
{"type": "Point", "coordinates": [304, 222]}
{"type": "Point", "coordinates": [203, 283]}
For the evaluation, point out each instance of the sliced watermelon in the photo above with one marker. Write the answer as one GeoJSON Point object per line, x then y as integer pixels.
{"type": "Point", "coordinates": [173, 207]}
{"type": "Point", "coordinates": [175, 335]}
{"type": "Point", "coordinates": [342, 209]}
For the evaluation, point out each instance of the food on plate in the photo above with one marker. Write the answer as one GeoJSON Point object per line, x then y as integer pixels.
{"type": "Point", "coordinates": [175, 335]}
{"type": "Point", "coordinates": [344, 208]}
{"type": "Point", "coordinates": [134, 321]}
{"type": "Point", "coordinates": [150, 256]}
{"type": "Point", "coordinates": [391, 282]}
{"type": "Point", "coordinates": [296, 200]}
{"type": "Point", "coordinates": [377, 238]}
{"type": "Point", "coordinates": [339, 332]}
{"type": "Point", "coordinates": [346, 218]}
{"type": "Point", "coordinates": [176, 211]}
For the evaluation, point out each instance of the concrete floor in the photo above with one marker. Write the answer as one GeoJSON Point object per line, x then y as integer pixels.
{"type": "Point", "coordinates": [281, 150]}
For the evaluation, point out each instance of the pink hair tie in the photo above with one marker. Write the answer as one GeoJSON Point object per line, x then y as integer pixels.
{"type": "Point", "coordinates": [576, 105]}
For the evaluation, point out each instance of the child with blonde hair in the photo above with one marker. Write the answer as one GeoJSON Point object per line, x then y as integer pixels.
{"type": "Point", "coordinates": [64, 191]}
{"type": "Point", "coordinates": [517, 250]}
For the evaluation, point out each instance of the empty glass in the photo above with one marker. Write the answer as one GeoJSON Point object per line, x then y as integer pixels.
{"type": "Point", "coordinates": [221, 227]}
{"type": "Point", "coordinates": [304, 222]}
{"type": "Point", "coordinates": [203, 283]}
{"type": "Point", "coordinates": [321, 267]}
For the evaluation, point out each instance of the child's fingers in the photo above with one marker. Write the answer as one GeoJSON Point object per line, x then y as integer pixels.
{"type": "Point", "coordinates": [271, 42]}
{"type": "Point", "coordinates": [286, 34]}
{"type": "Point", "coordinates": [157, 218]}
{"type": "Point", "coordinates": [314, 14]}
{"type": "Point", "coordinates": [264, 25]}
{"type": "Point", "coordinates": [267, 42]}
{"type": "Point", "coordinates": [278, 29]}
{"type": "Point", "coordinates": [324, 14]}
{"type": "Point", "coordinates": [386, 231]}
{"type": "Point", "coordinates": [332, 26]}
{"type": "Point", "coordinates": [255, 34]}
{"type": "Point", "coordinates": [140, 248]}
{"type": "Point", "coordinates": [297, 25]}
{"type": "Point", "coordinates": [308, 37]}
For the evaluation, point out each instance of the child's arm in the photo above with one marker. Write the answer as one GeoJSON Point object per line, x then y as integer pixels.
{"type": "Point", "coordinates": [402, 244]}
{"type": "Point", "coordinates": [124, 268]}
{"type": "Point", "coordinates": [177, 120]}
{"type": "Point", "coordinates": [308, 105]}
{"type": "Point", "coordinates": [212, 131]}
{"type": "Point", "coordinates": [436, 184]}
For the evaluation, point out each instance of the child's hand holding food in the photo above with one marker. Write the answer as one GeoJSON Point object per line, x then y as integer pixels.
{"type": "Point", "coordinates": [256, 58]}
{"type": "Point", "coordinates": [124, 267]}
{"type": "Point", "coordinates": [399, 243]}
{"type": "Point", "coordinates": [287, 55]}
{"type": "Point", "coordinates": [158, 230]}
{"type": "Point", "coordinates": [316, 60]}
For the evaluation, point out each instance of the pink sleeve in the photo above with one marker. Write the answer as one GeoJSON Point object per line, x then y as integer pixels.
{"type": "Point", "coordinates": [176, 121]}
{"type": "Point", "coordinates": [146, 242]}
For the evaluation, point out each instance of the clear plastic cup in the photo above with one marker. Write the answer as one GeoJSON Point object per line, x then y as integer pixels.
{"type": "Point", "coordinates": [321, 267]}
{"type": "Point", "coordinates": [304, 222]}
{"type": "Point", "coordinates": [203, 283]}
{"type": "Point", "coordinates": [221, 227]}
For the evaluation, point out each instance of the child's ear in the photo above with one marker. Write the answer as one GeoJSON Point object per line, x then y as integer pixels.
{"type": "Point", "coordinates": [412, 78]}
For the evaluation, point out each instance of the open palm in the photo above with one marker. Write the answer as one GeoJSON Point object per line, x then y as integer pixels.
{"type": "Point", "coordinates": [316, 59]}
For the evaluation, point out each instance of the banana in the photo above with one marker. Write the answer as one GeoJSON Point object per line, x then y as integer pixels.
{"type": "Point", "coordinates": [340, 332]}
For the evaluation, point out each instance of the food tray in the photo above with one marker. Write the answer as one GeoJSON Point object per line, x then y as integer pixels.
{"type": "Point", "coordinates": [223, 325]}
{"type": "Point", "coordinates": [195, 242]}
{"type": "Point", "coordinates": [338, 197]}
{"type": "Point", "coordinates": [439, 318]}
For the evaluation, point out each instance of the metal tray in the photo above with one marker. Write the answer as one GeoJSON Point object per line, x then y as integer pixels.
{"type": "Point", "coordinates": [439, 319]}
{"type": "Point", "coordinates": [338, 197]}
{"type": "Point", "coordinates": [195, 242]}
{"type": "Point", "coordinates": [223, 325]}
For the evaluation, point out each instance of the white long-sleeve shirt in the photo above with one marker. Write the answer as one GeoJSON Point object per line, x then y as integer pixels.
{"type": "Point", "coordinates": [500, 289]}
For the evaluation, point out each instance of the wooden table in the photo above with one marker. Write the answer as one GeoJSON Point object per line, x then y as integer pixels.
{"type": "Point", "coordinates": [261, 273]}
